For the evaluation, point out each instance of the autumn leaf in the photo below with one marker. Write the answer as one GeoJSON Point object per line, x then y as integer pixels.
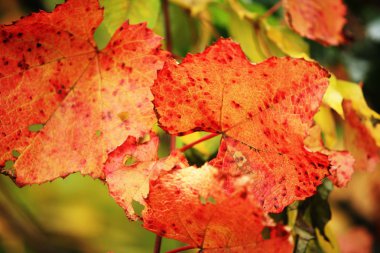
{"type": "Point", "coordinates": [361, 130]}
{"type": "Point", "coordinates": [340, 90]}
{"type": "Point", "coordinates": [324, 118]}
{"type": "Point", "coordinates": [285, 39]}
{"type": "Point", "coordinates": [341, 162]}
{"type": "Point", "coordinates": [263, 112]}
{"type": "Point", "coordinates": [260, 37]}
{"type": "Point", "coordinates": [191, 205]}
{"type": "Point", "coordinates": [194, 6]}
{"type": "Point", "coordinates": [320, 20]}
{"type": "Point", "coordinates": [131, 166]}
{"type": "Point", "coordinates": [117, 11]}
{"type": "Point", "coordinates": [359, 141]}
{"type": "Point", "coordinates": [87, 101]}
{"type": "Point", "coordinates": [356, 239]}
{"type": "Point", "coordinates": [341, 168]}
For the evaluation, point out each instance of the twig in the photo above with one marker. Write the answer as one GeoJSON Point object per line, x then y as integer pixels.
{"type": "Point", "coordinates": [272, 10]}
{"type": "Point", "coordinates": [157, 244]}
{"type": "Point", "coordinates": [168, 36]}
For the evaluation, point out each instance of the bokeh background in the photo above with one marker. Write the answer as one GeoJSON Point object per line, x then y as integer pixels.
{"type": "Point", "coordinates": [76, 214]}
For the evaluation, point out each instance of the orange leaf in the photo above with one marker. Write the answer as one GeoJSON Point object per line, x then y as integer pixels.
{"type": "Point", "coordinates": [359, 140]}
{"type": "Point", "coordinates": [341, 168]}
{"type": "Point", "coordinates": [88, 100]}
{"type": "Point", "coordinates": [320, 20]}
{"type": "Point", "coordinates": [131, 166]}
{"type": "Point", "coordinates": [263, 111]}
{"type": "Point", "coordinates": [221, 222]}
{"type": "Point", "coordinates": [341, 162]}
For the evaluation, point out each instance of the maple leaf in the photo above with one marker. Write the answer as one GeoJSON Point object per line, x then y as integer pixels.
{"type": "Point", "coordinates": [88, 101]}
{"type": "Point", "coordinates": [263, 111]}
{"type": "Point", "coordinates": [191, 205]}
{"type": "Point", "coordinates": [358, 140]}
{"type": "Point", "coordinates": [117, 11]}
{"type": "Point", "coordinates": [320, 20]}
{"type": "Point", "coordinates": [131, 166]}
{"type": "Point", "coordinates": [341, 168]}
{"type": "Point", "coordinates": [341, 162]}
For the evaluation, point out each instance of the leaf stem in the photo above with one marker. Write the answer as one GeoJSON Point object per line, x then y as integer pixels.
{"type": "Point", "coordinates": [172, 142]}
{"type": "Point", "coordinates": [169, 47]}
{"type": "Point", "coordinates": [272, 10]}
{"type": "Point", "coordinates": [168, 36]}
{"type": "Point", "coordinates": [180, 249]}
{"type": "Point", "coordinates": [157, 244]}
{"type": "Point", "coordinates": [204, 138]}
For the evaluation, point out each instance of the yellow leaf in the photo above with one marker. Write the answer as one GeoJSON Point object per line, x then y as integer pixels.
{"type": "Point", "coordinates": [327, 247]}
{"type": "Point", "coordinates": [242, 31]}
{"type": "Point", "coordinates": [333, 96]}
{"type": "Point", "coordinates": [206, 148]}
{"type": "Point", "coordinates": [325, 120]}
{"type": "Point", "coordinates": [287, 41]}
{"type": "Point", "coordinates": [195, 6]}
{"type": "Point", "coordinates": [339, 90]}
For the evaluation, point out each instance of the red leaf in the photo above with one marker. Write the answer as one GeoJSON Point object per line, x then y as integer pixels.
{"type": "Point", "coordinates": [131, 166]}
{"type": "Point", "coordinates": [341, 168]}
{"type": "Point", "coordinates": [320, 20]}
{"type": "Point", "coordinates": [341, 162]}
{"type": "Point", "coordinates": [88, 100]}
{"type": "Point", "coordinates": [359, 140]}
{"type": "Point", "coordinates": [192, 206]}
{"type": "Point", "coordinates": [264, 112]}
{"type": "Point", "coordinates": [276, 179]}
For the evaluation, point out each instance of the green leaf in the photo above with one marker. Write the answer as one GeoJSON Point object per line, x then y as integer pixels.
{"type": "Point", "coordinates": [244, 32]}
{"type": "Point", "coordinates": [301, 245]}
{"type": "Point", "coordinates": [195, 6]}
{"type": "Point", "coordinates": [292, 213]}
{"type": "Point", "coordinates": [286, 40]}
{"type": "Point", "coordinates": [330, 246]}
{"type": "Point", "coordinates": [183, 29]}
{"type": "Point", "coordinates": [116, 12]}
{"type": "Point", "coordinates": [206, 148]}
{"type": "Point", "coordinates": [320, 214]}
{"type": "Point", "coordinates": [325, 188]}
{"type": "Point", "coordinates": [243, 12]}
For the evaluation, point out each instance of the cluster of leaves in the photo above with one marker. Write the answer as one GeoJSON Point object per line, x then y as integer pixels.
{"type": "Point", "coordinates": [68, 107]}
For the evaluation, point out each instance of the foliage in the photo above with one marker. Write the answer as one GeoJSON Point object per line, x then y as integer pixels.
{"type": "Point", "coordinates": [71, 105]}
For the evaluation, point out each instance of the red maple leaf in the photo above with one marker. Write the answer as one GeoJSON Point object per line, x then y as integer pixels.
{"type": "Point", "coordinates": [359, 140]}
{"type": "Point", "coordinates": [87, 100]}
{"type": "Point", "coordinates": [263, 111]}
{"type": "Point", "coordinates": [130, 168]}
{"type": "Point", "coordinates": [320, 20]}
{"type": "Point", "coordinates": [191, 205]}
{"type": "Point", "coordinates": [341, 162]}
